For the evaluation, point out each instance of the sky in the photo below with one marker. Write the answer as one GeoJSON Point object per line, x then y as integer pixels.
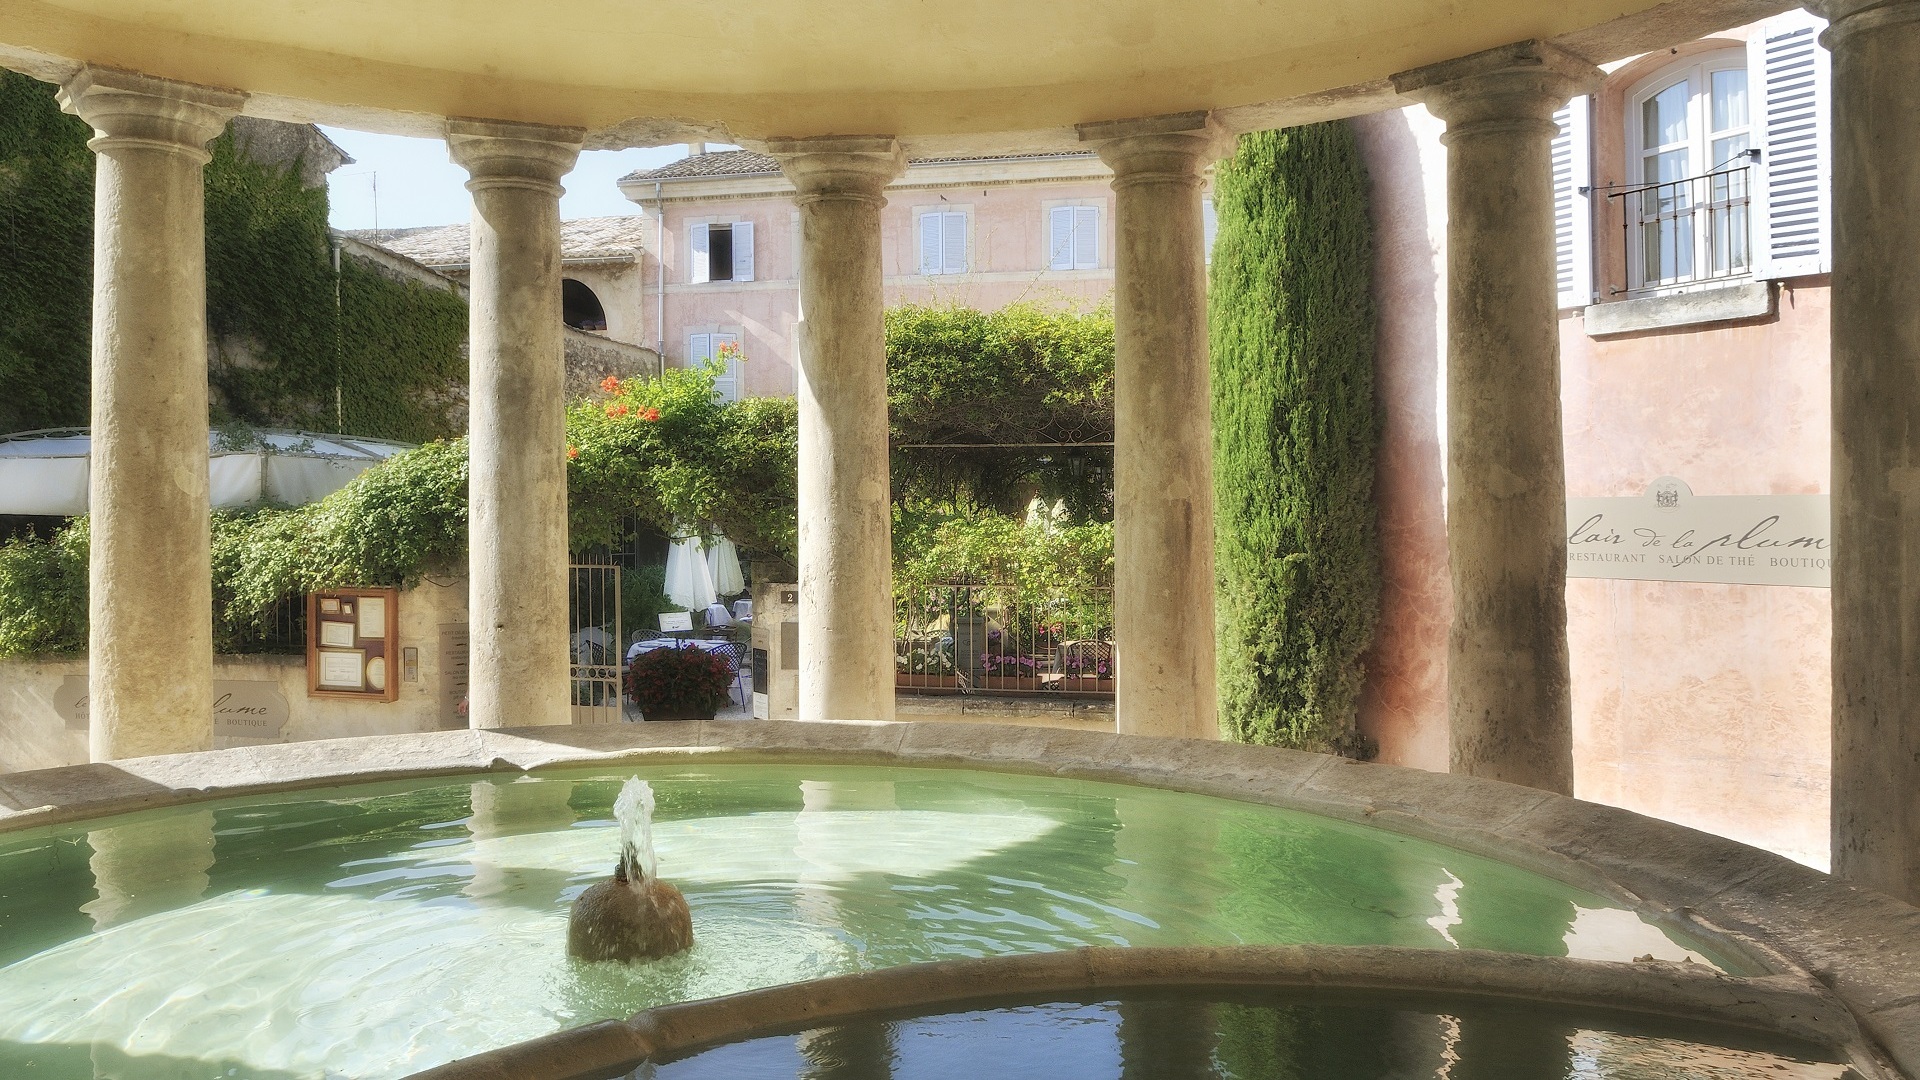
{"type": "Point", "coordinates": [417, 185]}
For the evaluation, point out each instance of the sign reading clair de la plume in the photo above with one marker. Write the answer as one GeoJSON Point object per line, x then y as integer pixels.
{"type": "Point", "coordinates": [1670, 534]}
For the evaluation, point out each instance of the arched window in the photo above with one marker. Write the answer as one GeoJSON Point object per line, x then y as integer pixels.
{"type": "Point", "coordinates": [580, 308]}
{"type": "Point", "coordinates": [1689, 133]}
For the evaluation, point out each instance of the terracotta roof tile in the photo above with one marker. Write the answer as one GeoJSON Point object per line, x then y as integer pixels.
{"type": "Point", "coordinates": [448, 245]}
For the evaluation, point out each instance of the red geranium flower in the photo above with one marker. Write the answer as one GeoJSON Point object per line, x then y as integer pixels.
{"type": "Point", "coordinates": [650, 414]}
{"type": "Point", "coordinates": [611, 384]}
{"type": "Point", "coordinates": [617, 410]}
{"type": "Point", "coordinates": [572, 452]}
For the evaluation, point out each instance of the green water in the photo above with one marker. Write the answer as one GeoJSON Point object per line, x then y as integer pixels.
{"type": "Point", "coordinates": [373, 931]}
{"type": "Point", "coordinates": [1200, 1037]}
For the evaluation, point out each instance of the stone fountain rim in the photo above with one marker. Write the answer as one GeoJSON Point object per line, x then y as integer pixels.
{"type": "Point", "coordinates": [1786, 918]}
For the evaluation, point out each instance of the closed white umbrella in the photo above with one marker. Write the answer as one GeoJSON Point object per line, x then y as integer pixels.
{"type": "Point", "coordinates": [723, 560]}
{"type": "Point", "coordinates": [689, 580]}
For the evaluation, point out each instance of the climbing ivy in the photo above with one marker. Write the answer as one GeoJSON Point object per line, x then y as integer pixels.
{"type": "Point", "coordinates": [46, 258]}
{"type": "Point", "coordinates": [295, 344]}
{"type": "Point", "coordinates": [1291, 319]}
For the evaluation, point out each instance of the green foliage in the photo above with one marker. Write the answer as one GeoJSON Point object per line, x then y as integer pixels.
{"type": "Point", "coordinates": [392, 525]}
{"type": "Point", "coordinates": [1295, 428]}
{"type": "Point", "coordinates": [1022, 374]}
{"type": "Point", "coordinates": [643, 597]}
{"type": "Point", "coordinates": [375, 357]}
{"type": "Point", "coordinates": [46, 258]}
{"type": "Point", "coordinates": [665, 451]}
{"type": "Point", "coordinates": [43, 594]}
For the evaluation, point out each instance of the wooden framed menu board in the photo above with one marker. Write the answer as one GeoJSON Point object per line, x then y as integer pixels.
{"type": "Point", "coordinates": [353, 644]}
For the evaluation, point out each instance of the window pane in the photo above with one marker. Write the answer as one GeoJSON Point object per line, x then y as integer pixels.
{"type": "Point", "coordinates": [1731, 149]}
{"type": "Point", "coordinates": [1729, 99]}
{"type": "Point", "coordinates": [1664, 116]}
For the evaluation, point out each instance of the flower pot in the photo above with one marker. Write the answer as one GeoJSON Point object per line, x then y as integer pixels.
{"type": "Point", "coordinates": [1011, 682]}
{"type": "Point", "coordinates": [680, 711]}
{"type": "Point", "coordinates": [1086, 684]}
{"type": "Point", "coordinates": [908, 681]}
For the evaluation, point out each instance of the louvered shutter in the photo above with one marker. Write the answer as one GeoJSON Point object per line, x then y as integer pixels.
{"type": "Point", "coordinates": [743, 251]}
{"type": "Point", "coordinates": [1086, 237]}
{"type": "Point", "coordinates": [1573, 204]}
{"type": "Point", "coordinates": [953, 246]}
{"type": "Point", "coordinates": [1209, 226]}
{"type": "Point", "coordinates": [930, 243]}
{"type": "Point", "coordinates": [697, 257]}
{"type": "Point", "coordinates": [1060, 238]}
{"type": "Point", "coordinates": [726, 385]}
{"type": "Point", "coordinates": [699, 349]}
{"type": "Point", "coordinates": [1789, 73]}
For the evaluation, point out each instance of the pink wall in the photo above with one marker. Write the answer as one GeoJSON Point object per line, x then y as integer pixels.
{"type": "Point", "coordinates": [1704, 704]}
{"type": "Point", "coordinates": [1007, 260]}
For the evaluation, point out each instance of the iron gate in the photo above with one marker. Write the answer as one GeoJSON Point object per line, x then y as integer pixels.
{"type": "Point", "coordinates": [594, 641]}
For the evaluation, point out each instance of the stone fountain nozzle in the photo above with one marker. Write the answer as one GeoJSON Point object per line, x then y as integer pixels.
{"type": "Point", "coordinates": [633, 915]}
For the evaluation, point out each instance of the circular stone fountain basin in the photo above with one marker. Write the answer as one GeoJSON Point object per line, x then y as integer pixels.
{"type": "Point", "coordinates": [1236, 1035]}
{"type": "Point", "coordinates": [376, 930]}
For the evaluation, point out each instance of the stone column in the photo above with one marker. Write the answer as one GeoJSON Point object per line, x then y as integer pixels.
{"type": "Point", "coordinates": [1876, 444]}
{"type": "Point", "coordinates": [1508, 684]}
{"type": "Point", "coordinates": [517, 475]}
{"type": "Point", "coordinates": [1163, 582]}
{"type": "Point", "coordinates": [846, 517]}
{"type": "Point", "coordinates": [150, 574]}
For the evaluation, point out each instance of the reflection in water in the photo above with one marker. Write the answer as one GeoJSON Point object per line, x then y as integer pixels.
{"type": "Point", "coordinates": [1257, 1038]}
{"type": "Point", "coordinates": [517, 808]}
{"type": "Point", "coordinates": [150, 866]}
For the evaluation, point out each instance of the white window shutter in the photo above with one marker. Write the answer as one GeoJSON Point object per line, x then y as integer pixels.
{"type": "Point", "coordinates": [1573, 204]}
{"type": "Point", "coordinates": [1209, 226]}
{"type": "Point", "coordinates": [699, 349]}
{"type": "Point", "coordinates": [953, 246]}
{"type": "Point", "coordinates": [697, 267]}
{"type": "Point", "coordinates": [1060, 238]}
{"type": "Point", "coordinates": [743, 251]}
{"type": "Point", "coordinates": [1086, 237]}
{"type": "Point", "coordinates": [930, 243]}
{"type": "Point", "coordinates": [726, 386]}
{"type": "Point", "coordinates": [1789, 73]}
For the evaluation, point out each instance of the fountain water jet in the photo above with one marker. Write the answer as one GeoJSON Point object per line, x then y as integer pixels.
{"type": "Point", "coordinates": [634, 915]}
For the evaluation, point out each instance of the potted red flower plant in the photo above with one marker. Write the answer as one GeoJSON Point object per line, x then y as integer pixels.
{"type": "Point", "coordinates": [685, 683]}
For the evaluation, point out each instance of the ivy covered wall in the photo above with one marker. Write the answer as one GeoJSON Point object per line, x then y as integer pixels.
{"type": "Point", "coordinates": [294, 343]}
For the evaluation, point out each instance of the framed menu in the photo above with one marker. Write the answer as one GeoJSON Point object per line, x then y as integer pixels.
{"type": "Point", "coordinates": [353, 642]}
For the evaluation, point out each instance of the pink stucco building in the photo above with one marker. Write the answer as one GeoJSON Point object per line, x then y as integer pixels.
{"type": "Point", "coordinates": [978, 232]}
{"type": "Point", "coordinates": [1694, 344]}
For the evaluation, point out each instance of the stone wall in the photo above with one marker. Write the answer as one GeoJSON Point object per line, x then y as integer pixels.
{"type": "Point", "coordinates": [258, 699]}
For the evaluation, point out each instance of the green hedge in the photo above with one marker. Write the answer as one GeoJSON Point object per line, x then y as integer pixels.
{"type": "Point", "coordinates": [1291, 317]}
{"type": "Point", "coordinates": [300, 346]}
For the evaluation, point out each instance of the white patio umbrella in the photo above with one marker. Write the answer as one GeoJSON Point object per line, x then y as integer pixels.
{"type": "Point", "coordinates": [45, 472]}
{"type": "Point", "coordinates": [689, 579]}
{"type": "Point", "coordinates": [723, 560]}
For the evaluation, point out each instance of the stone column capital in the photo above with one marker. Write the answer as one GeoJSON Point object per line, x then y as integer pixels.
{"type": "Point", "coordinates": [1178, 147]}
{"type": "Point", "coordinates": [506, 153]}
{"type": "Point", "coordinates": [839, 166]}
{"type": "Point", "coordinates": [131, 110]}
{"type": "Point", "coordinates": [1522, 84]}
{"type": "Point", "coordinates": [1848, 17]}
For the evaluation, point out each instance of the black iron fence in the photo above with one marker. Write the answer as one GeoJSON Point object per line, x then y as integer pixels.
{"type": "Point", "coordinates": [973, 638]}
{"type": "Point", "coordinates": [281, 628]}
{"type": "Point", "coordinates": [1688, 231]}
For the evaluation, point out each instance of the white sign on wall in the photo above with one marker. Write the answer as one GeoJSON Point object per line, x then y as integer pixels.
{"type": "Point", "coordinates": [1670, 534]}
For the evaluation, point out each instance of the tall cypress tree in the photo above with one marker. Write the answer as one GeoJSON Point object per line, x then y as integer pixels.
{"type": "Point", "coordinates": [1295, 427]}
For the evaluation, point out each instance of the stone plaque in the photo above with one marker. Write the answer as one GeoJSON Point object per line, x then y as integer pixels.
{"type": "Point", "coordinates": [70, 700]}
{"type": "Point", "coordinates": [248, 709]}
{"type": "Point", "coordinates": [242, 708]}
{"type": "Point", "coordinates": [1670, 534]}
